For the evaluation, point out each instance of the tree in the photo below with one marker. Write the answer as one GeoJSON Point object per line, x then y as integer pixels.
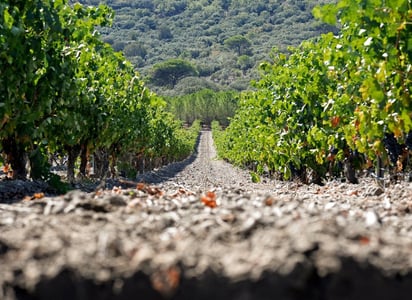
{"type": "Point", "coordinates": [238, 43]}
{"type": "Point", "coordinates": [244, 62]}
{"type": "Point", "coordinates": [135, 49]}
{"type": "Point", "coordinates": [165, 33]}
{"type": "Point", "coordinates": [168, 73]}
{"type": "Point", "coordinates": [225, 4]}
{"type": "Point", "coordinates": [205, 105]}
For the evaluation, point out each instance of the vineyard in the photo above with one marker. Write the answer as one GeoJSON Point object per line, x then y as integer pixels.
{"type": "Point", "coordinates": [337, 103]}
{"type": "Point", "coordinates": [340, 103]}
{"type": "Point", "coordinates": [196, 226]}
{"type": "Point", "coordinates": [66, 93]}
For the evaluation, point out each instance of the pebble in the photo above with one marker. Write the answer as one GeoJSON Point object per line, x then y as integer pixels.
{"type": "Point", "coordinates": [301, 230]}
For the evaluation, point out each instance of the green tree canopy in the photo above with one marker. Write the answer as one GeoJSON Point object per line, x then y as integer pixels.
{"type": "Point", "coordinates": [195, 30]}
{"type": "Point", "coordinates": [238, 43]}
{"type": "Point", "coordinates": [135, 49]}
{"type": "Point", "coordinates": [168, 73]}
{"type": "Point", "coordinates": [165, 33]}
{"type": "Point", "coordinates": [205, 105]}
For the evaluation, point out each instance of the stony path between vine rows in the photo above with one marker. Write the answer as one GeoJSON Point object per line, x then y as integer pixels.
{"type": "Point", "coordinates": [200, 229]}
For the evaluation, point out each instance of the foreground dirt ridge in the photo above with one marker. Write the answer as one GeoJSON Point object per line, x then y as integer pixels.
{"type": "Point", "coordinates": [200, 229]}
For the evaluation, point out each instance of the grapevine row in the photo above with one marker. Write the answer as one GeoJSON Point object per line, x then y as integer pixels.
{"type": "Point", "coordinates": [337, 99]}
{"type": "Point", "coordinates": [63, 90]}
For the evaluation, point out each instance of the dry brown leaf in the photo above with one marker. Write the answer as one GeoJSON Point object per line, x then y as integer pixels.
{"type": "Point", "coordinates": [269, 201]}
{"type": "Point", "coordinates": [209, 199]}
{"type": "Point", "coordinates": [211, 195]}
{"type": "Point", "coordinates": [364, 240]}
{"type": "Point", "coordinates": [154, 191]}
{"type": "Point", "coordinates": [141, 186]}
{"type": "Point", "coordinates": [335, 120]}
{"type": "Point", "coordinates": [6, 168]}
{"type": "Point", "coordinates": [166, 281]}
{"type": "Point", "coordinates": [38, 195]}
{"type": "Point", "coordinates": [34, 197]}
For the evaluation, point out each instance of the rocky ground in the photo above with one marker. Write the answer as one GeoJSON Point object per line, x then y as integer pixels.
{"type": "Point", "coordinates": [201, 229]}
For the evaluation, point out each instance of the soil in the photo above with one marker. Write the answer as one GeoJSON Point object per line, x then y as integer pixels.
{"type": "Point", "coordinates": [200, 229]}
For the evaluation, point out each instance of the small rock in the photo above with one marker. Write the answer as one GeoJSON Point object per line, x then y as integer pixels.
{"type": "Point", "coordinates": [117, 200]}
{"type": "Point", "coordinates": [373, 191]}
{"type": "Point", "coordinates": [371, 218]}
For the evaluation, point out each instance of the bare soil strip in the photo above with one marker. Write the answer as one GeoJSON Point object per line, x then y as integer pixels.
{"type": "Point", "coordinates": [200, 229]}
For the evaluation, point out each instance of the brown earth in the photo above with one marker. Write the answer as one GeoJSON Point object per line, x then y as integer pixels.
{"type": "Point", "coordinates": [200, 229]}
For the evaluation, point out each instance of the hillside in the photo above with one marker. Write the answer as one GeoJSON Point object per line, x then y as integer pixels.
{"type": "Point", "coordinates": [150, 32]}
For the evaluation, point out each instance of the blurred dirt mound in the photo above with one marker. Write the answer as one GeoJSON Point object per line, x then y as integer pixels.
{"type": "Point", "coordinates": [205, 231]}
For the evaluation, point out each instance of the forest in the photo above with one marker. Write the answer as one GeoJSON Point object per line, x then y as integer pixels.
{"type": "Point", "coordinates": [223, 40]}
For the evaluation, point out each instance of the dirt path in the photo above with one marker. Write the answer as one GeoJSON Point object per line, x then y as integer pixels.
{"type": "Point", "coordinates": [204, 172]}
{"type": "Point", "coordinates": [200, 229]}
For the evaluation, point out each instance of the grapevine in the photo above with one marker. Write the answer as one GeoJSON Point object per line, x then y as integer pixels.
{"type": "Point", "coordinates": [331, 98]}
{"type": "Point", "coordinates": [64, 90]}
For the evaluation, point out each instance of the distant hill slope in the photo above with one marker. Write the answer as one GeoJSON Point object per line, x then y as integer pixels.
{"type": "Point", "coordinates": [152, 31]}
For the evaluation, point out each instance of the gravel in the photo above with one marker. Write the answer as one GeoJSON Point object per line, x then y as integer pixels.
{"type": "Point", "coordinates": [200, 229]}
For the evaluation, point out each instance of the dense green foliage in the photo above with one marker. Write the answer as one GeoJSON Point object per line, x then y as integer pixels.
{"type": "Point", "coordinates": [206, 105]}
{"type": "Point", "coordinates": [62, 89]}
{"type": "Point", "coordinates": [168, 73]}
{"type": "Point", "coordinates": [218, 137]}
{"type": "Point", "coordinates": [204, 32]}
{"type": "Point", "coordinates": [239, 44]}
{"type": "Point", "coordinates": [337, 95]}
{"type": "Point", "coordinates": [169, 143]}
